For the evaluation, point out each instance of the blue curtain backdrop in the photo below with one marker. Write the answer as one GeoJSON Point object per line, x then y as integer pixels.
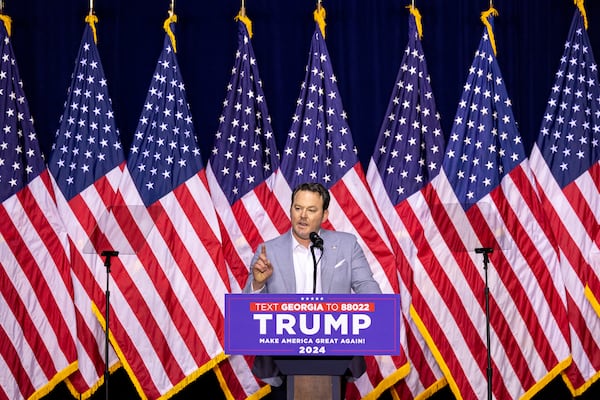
{"type": "Point", "coordinates": [365, 39]}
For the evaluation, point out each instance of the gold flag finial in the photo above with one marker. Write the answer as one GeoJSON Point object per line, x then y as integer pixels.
{"type": "Point", "coordinates": [579, 4]}
{"type": "Point", "coordinates": [167, 26]}
{"type": "Point", "coordinates": [414, 11]}
{"type": "Point", "coordinates": [91, 19]}
{"type": "Point", "coordinates": [484, 18]}
{"type": "Point", "coordinates": [244, 18]}
{"type": "Point", "coordinates": [319, 16]}
{"type": "Point", "coordinates": [7, 22]}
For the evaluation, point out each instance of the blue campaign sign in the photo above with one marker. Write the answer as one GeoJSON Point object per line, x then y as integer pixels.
{"type": "Point", "coordinates": [312, 324]}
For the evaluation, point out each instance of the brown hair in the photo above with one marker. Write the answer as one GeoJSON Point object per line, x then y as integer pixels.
{"type": "Point", "coordinates": [316, 188]}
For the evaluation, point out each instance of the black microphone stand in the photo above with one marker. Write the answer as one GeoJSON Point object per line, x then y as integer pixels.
{"type": "Point", "coordinates": [318, 243]}
{"type": "Point", "coordinates": [485, 251]}
{"type": "Point", "coordinates": [312, 251]}
{"type": "Point", "coordinates": [108, 254]}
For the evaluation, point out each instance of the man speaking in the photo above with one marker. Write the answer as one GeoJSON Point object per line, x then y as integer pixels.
{"type": "Point", "coordinates": [308, 259]}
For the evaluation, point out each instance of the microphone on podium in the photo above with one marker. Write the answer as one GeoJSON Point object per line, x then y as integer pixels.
{"type": "Point", "coordinates": [316, 240]}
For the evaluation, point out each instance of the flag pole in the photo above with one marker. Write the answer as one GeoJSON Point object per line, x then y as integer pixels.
{"type": "Point", "coordinates": [107, 254]}
{"type": "Point", "coordinates": [487, 250]}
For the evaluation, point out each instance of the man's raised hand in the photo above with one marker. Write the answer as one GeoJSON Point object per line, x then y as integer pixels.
{"type": "Point", "coordinates": [261, 270]}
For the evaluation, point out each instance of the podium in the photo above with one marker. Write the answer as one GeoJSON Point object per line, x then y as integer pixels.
{"type": "Point", "coordinates": [313, 339]}
{"type": "Point", "coordinates": [313, 377]}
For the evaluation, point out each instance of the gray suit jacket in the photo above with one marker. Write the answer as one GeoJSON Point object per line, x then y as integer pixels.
{"type": "Point", "coordinates": [344, 269]}
{"type": "Point", "coordinates": [343, 265]}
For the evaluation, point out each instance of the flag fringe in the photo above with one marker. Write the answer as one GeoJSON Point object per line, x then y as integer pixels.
{"type": "Point", "coordinates": [592, 299]}
{"type": "Point", "coordinates": [58, 378]}
{"type": "Point", "coordinates": [259, 394]}
{"type": "Point", "coordinates": [88, 393]}
{"type": "Point", "coordinates": [435, 352]}
{"type": "Point", "coordinates": [553, 373]}
{"type": "Point", "coordinates": [539, 385]}
{"type": "Point", "coordinates": [119, 353]}
{"type": "Point", "coordinates": [433, 389]}
{"type": "Point", "coordinates": [210, 365]}
{"type": "Point", "coordinates": [175, 389]}
{"type": "Point", "coordinates": [388, 382]}
{"type": "Point", "coordinates": [223, 383]}
{"type": "Point", "coordinates": [576, 392]}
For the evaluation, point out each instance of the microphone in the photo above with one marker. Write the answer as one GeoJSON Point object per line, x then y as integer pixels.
{"type": "Point", "coordinates": [316, 240]}
{"type": "Point", "coordinates": [484, 250]}
{"type": "Point", "coordinates": [108, 254]}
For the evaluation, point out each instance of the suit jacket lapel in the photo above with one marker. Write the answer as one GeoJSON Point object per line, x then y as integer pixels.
{"type": "Point", "coordinates": [327, 262]}
{"type": "Point", "coordinates": [285, 264]}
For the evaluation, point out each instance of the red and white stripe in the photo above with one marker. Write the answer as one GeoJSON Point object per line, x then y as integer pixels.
{"type": "Point", "coordinates": [529, 334]}
{"type": "Point", "coordinates": [425, 376]}
{"type": "Point", "coordinates": [168, 286]}
{"type": "Point", "coordinates": [37, 346]}
{"type": "Point", "coordinates": [82, 216]}
{"type": "Point", "coordinates": [574, 213]}
{"type": "Point", "coordinates": [252, 220]}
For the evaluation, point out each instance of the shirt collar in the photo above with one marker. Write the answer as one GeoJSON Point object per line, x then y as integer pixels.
{"type": "Point", "coordinates": [296, 243]}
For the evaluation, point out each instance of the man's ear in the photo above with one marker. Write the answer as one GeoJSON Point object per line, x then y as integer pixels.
{"type": "Point", "coordinates": [325, 215]}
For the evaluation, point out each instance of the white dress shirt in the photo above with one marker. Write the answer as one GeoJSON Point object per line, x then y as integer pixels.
{"type": "Point", "coordinates": [304, 268]}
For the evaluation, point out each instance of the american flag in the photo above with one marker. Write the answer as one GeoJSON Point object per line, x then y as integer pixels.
{"type": "Point", "coordinates": [408, 154]}
{"type": "Point", "coordinates": [565, 163]}
{"type": "Point", "coordinates": [319, 148]}
{"type": "Point", "coordinates": [86, 165]}
{"type": "Point", "coordinates": [241, 167]}
{"type": "Point", "coordinates": [170, 276]}
{"type": "Point", "coordinates": [37, 335]}
{"type": "Point", "coordinates": [485, 197]}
